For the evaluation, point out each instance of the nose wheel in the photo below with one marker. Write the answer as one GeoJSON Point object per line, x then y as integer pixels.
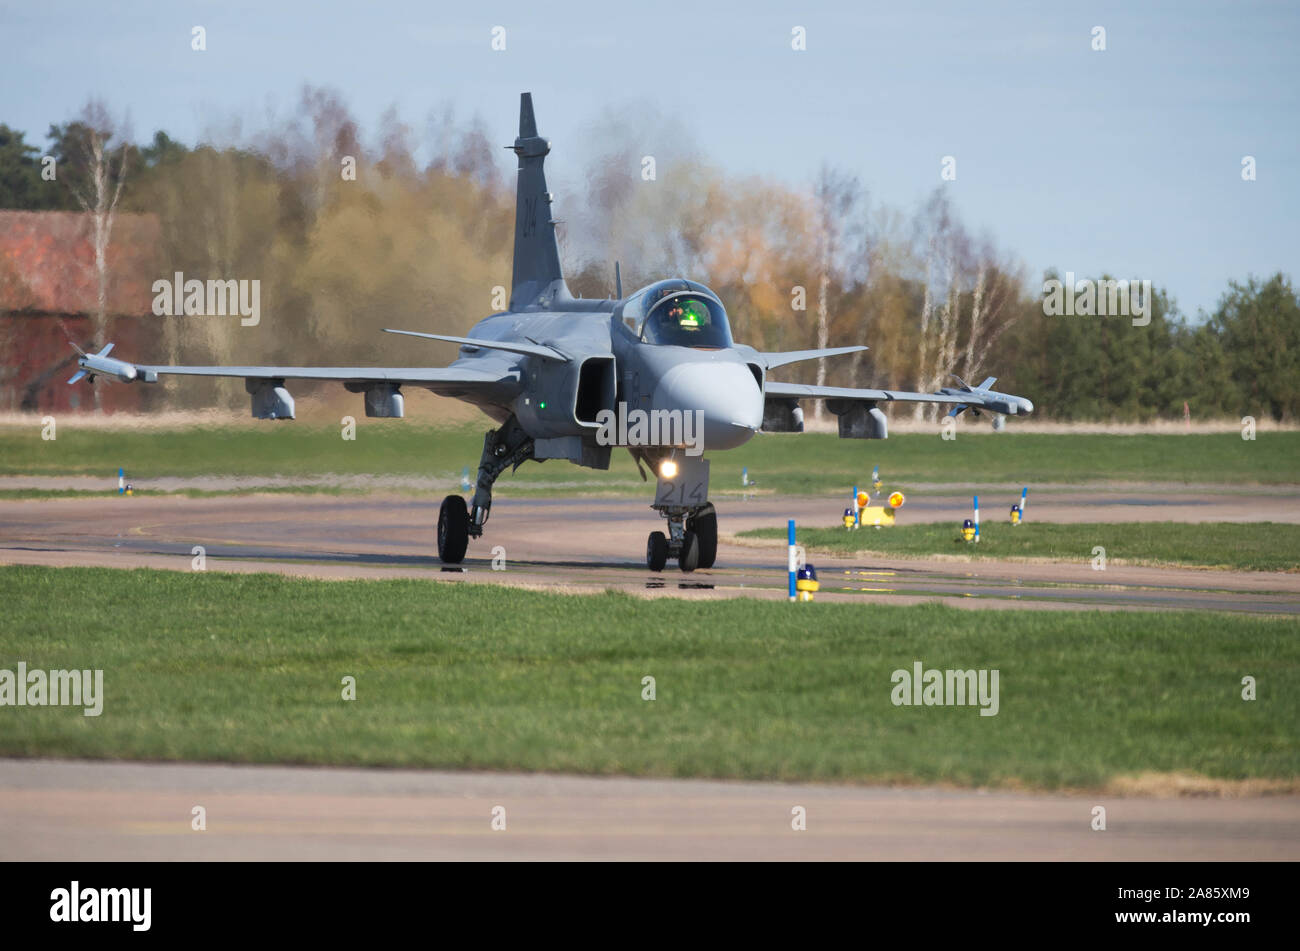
{"type": "Point", "coordinates": [704, 526]}
{"type": "Point", "coordinates": [692, 539]}
{"type": "Point", "coordinates": [688, 559]}
{"type": "Point", "coordinates": [656, 551]}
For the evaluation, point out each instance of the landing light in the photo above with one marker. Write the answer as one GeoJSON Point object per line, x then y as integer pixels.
{"type": "Point", "coordinates": [668, 469]}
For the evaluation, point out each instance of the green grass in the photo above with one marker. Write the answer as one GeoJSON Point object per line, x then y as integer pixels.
{"type": "Point", "coordinates": [24, 494]}
{"type": "Point", "coordinates": [787, 463]}
{"type": "Point", "coordinates": [248, 667]}
{"type": "Point", "coordinates": [799, 463]}
{"type": "Point", "coordinates": [283, 448]}
{"type": "Point", "coordinates": [1251, 546]}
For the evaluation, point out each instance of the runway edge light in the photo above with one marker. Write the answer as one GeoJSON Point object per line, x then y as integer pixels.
{"type": "Point", "coordinates": [1018, 509]}
{"type": "Point", "coordinates": [807, 582]}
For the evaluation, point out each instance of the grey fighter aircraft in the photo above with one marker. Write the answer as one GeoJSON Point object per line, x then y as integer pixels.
{"type": "Point", "coordinates": [656, 372]}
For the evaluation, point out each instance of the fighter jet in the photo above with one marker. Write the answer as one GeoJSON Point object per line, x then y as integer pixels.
{"type": "Point", "coordinates": [656, 372]}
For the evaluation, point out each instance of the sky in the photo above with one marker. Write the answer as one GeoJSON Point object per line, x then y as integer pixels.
{"type": "Point", "coordinates": [1126, 160]}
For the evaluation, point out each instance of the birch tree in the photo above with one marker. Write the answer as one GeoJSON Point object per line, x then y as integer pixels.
{"type": "Point", "coordinates": [97, 191]}
{"type": "Point", "coordinates": [837, 196]}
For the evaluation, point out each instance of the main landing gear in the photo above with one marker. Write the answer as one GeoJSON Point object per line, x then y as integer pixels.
{"type": "Point", "coordinates": [692, 538]}
{"type": "Point", "coordinates": [458, 522]}
{"type": "Point", "coordinates": [453, 530]}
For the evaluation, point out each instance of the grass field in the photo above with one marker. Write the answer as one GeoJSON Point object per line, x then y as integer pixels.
{"type": "Point", "coordinates": [21, 494]}
{"type": "Point", "coordinates": [249, 667]}
{"type": "Point", "coordinates": [1250, 546]}
{"type": "Point", "coordinates": [787, 463]}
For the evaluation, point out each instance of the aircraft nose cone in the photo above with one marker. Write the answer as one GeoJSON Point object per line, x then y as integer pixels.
{"type": "Point", "coordinates": [1026, 406]}
{"type": "Point", "coordinates": [726, 393]}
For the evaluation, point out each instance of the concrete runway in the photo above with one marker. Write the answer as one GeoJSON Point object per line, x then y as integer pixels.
{"type": "Point", "coordinates": [595, 544]}
{"type": "Point", "coordinates": [88, 811]}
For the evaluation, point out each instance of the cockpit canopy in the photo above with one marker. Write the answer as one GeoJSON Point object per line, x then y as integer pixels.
{"type": "Point", "coordinates": [677, 313]}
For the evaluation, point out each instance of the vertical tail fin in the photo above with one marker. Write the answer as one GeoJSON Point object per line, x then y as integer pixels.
{"type": "Point", "coordinates": [537, 275]}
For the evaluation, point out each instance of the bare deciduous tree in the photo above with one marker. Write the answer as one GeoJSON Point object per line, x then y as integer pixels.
{"type": "Point", "coordinates": [836, 195]}
{"type": "Point", "coordinates": [98, 196]}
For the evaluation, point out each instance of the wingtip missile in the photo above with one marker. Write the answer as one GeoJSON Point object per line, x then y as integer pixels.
{"type": "Point", "coordinates": [983, 398]}
{"type": "Point", "coordinates": [101, 364]}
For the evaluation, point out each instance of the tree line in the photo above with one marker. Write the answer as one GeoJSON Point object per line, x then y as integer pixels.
{"type": "Point", "coordinates": [411, 227]}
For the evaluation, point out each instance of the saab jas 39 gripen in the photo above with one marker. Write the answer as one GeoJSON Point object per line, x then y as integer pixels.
{"type": "Point", "coordinates": [656, 372]}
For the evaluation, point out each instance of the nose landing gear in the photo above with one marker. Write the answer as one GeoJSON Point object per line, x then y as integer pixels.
{"type": "Point", "coordinates": [692, 538]}
{"type": "Point", "coordinates": [682, 499]}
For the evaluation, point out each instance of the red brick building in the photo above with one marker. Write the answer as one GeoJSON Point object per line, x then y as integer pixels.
{"type": "Point", "coordinates": [48, 291]}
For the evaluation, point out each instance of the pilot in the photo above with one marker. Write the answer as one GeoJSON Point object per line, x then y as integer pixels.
{"type": "Point", "coordinates": [688, 315]}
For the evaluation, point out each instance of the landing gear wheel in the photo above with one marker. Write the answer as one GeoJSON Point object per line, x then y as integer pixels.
{"type": "Point", "coordinates": [453, 530]}
{"type": "Point", "coordinates": [656, 551]}
{"type": "Point", "coordinates": [705, 526]}
{"type": "Point", "coordinates": [689, 557]}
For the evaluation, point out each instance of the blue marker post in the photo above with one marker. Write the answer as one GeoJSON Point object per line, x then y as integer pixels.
{"type": "Point", "coordinates": [744, 477]}
{"type": "Point", "coordinates": [793, 562]}
{"type": "Point", "coordinates": [1024, 500]}
{"type": "Point", "coordinates": [857, 509]}
{"type": "Point", "coordinates": [977, 518]}
{"type": "Point", "coordinates": [121, 481]}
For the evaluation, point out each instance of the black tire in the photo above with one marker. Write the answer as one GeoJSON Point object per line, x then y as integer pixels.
{"type": "Point", "coordinates": [705, 526]}
{"type": "Point", "coordinates": [453, 530]}
{"type": "Point", "coordinates": [656, 551]}
{"type": "Point", "coordinates": [689, 557]}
